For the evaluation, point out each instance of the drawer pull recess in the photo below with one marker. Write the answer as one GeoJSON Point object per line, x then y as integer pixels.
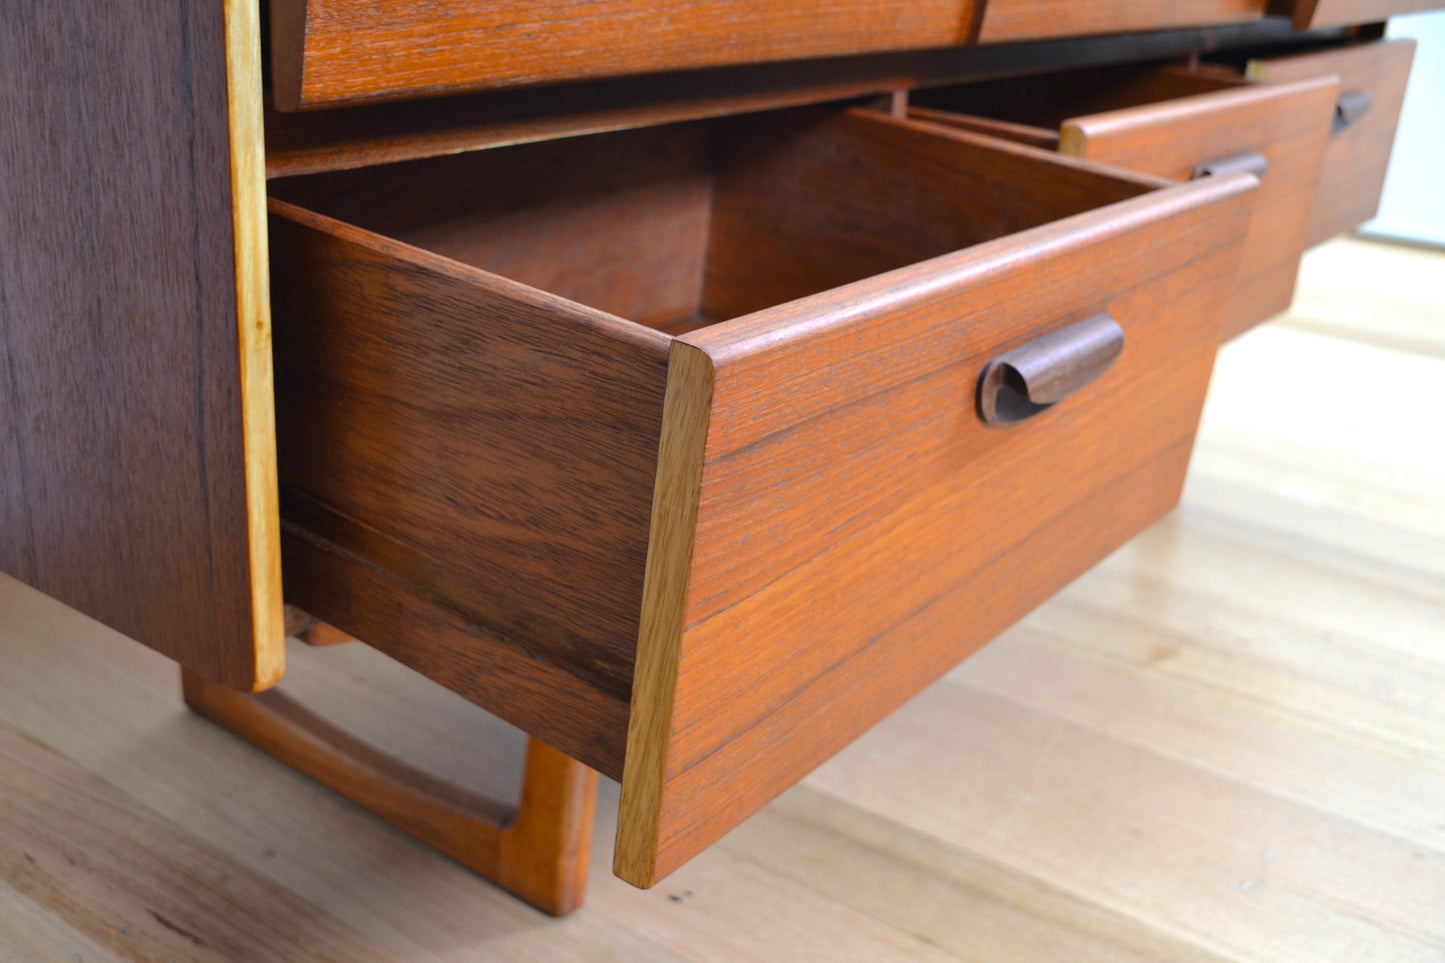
{"type": "Point", "coordinates": [1020, 383]}
{"type": "Point", "coordinates": [1352, 105]}
{"type": "Point", "coordinates": [1249, 162]}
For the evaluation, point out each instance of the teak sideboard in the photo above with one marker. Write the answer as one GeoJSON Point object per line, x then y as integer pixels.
{"type": "Point", "coordinates": [688, 384]}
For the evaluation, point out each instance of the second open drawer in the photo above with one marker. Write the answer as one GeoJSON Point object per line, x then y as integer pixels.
{"type": "Point", "coordinates": [669, 445]}
{"type": "Point", "coordinates": [1178, 124]}
{"type": "Point", "coordinates": [1372, 75]}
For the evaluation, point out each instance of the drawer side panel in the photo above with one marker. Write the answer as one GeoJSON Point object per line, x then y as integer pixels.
{"type": "Point", "coordinates": [488, 444]}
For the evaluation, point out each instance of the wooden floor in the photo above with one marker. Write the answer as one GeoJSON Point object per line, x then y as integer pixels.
{"type": "Point", "coordinates": [1225, 743]}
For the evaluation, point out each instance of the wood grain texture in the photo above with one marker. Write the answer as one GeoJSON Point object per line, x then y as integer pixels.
{"type": "Point", "coordinates": [371, 134]}
{"type": "Point", "coordinates": [1011, 20]}
{"type": "Point", "coordinates": [253, 339]}
{"type": "Point", "coordinates": [330, 52]}
{"type": "Point", "coordinates": [1352, 174]}
{"type": "Point", "coordinates": [680, 457]}
{"type": "Point", "coordinates": [1288, 124]}
{"type": "Point", "coordinates": [813, 201]}
{"type": "Point", "coordinates": [537, 849]}
{"type": "Point", "coordinates": [1332, 13]}
{"type": "Point", "coordinates": [73, 844]}
{"type": "Point", "coordinates": [536, 213]}
{"type": "Point", "coordinates": [502, 466]}
{"type": "Point", "coordinates": [550, 698]}
{"type": "Point", "coordinates": [843, 462]}
{"type": "Point", "coordinates": [136, 446]}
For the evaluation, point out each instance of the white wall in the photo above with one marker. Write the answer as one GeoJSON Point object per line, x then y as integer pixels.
{"type": "Point", "coordinates": [1413, 207]}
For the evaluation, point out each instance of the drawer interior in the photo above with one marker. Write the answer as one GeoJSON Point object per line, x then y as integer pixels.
{"type": "Point", "coordinates": [1044, 102]}
{"type": "Point", "coordinates": [682, 226]}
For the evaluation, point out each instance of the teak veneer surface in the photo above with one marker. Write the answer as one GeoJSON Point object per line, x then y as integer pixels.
{"type": "Point", "coordinates": [382, 133]}
{"type": "Point", "coordinates": [489, 444]}
{"type": "Point", "coordinates": [137, 470]}
{"type": "Point", "coordinates": [1352, 174]}
{"type": "Point", "coordinates": [341, 52]}
{"type": "Point", "coordinates": [1010, 20]}
{"type": "Point", "coordinates": [329, 52]}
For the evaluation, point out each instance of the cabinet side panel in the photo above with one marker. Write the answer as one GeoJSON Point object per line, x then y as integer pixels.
{"type": "Point", "coordinates": [124, 448]}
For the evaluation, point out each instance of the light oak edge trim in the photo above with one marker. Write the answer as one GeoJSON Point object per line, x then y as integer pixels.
{"type": "Point", "coordinates": [253, 326]}
{"type": "Point", "coordinates": [685, 412]}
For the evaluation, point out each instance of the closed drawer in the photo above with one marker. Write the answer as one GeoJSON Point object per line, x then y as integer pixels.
{"type": "Point", "coordinates": [1372, 90]}
{"type": "Point", "coordinates": [665, 444]}
{"type": "Point", "coordinates": [333, 52]}
{"type": "Point", "coordinates": [1340, 13]}
{"type": "Point", "coordinates": [1010, 20]}
{"type": "Point", "coordinates": [1177, 124]}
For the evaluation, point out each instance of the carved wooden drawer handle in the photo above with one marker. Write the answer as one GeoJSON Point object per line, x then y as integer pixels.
{"type": "Point", "coordinates": [1249, 162]}
{"type": "Point", "coordinates": [1019, 384]}
{"type": "Point", "coordinates": [1352, 105]}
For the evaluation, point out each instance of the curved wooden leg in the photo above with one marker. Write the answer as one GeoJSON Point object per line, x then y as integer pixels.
{"type": "Point", "coordinates": [537, 850]}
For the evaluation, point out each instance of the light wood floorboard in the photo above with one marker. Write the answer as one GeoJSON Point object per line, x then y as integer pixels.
{"type": "Point", "coordinates": [1225, 743]}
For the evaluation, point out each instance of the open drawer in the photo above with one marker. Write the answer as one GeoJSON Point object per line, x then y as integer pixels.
{"type": "Point", "coordinates": [668, 445]}
{"type": "Point", "coordinates": [1373, 76]}
{"type": "Point", "coordinates": [1178, 124]}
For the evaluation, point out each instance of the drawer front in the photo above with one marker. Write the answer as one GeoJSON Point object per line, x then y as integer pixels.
{"type": "Point", "coordinates": [834, 526]}
{"type": "Point", "coordinates": [1285, 126]}
{"type": "Point", "coordinates": [1341, 13]}
{"type": "Point", "coordinates": [1009, 20]}
{"type": "Point", "coordinates": [1372, 90]}
{"type": "Point", "coordinates": [332, 52]}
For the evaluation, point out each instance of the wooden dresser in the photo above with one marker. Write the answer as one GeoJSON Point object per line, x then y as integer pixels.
{"type": "Point", "coordinates": [687, 384]}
